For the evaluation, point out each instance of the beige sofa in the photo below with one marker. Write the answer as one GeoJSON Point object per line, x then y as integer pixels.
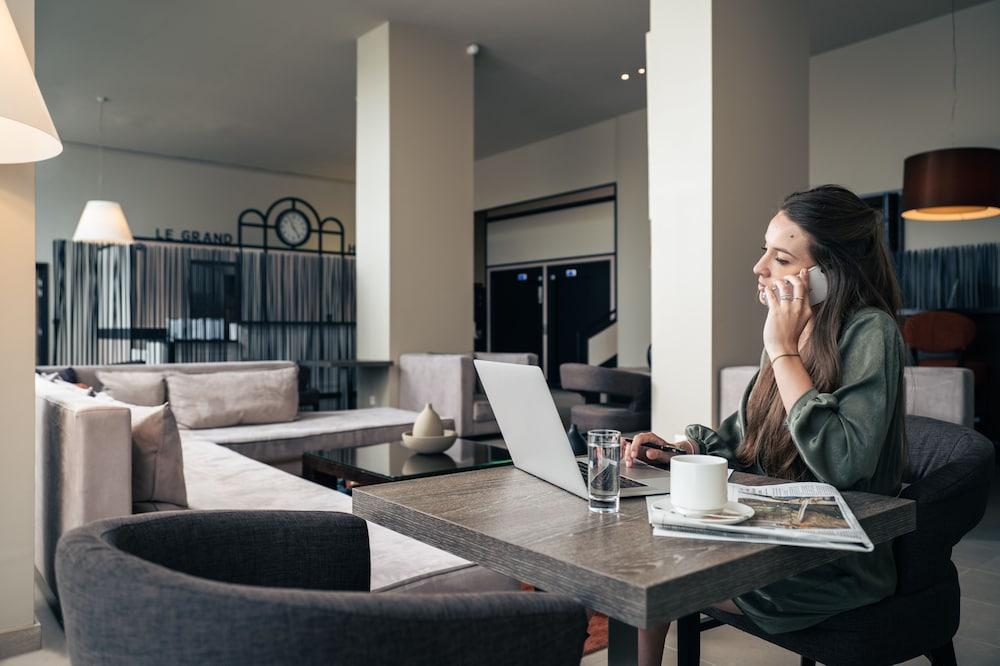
{"type": "Point", "coordinates": [84, 473]}
{"type": "Point", "coordinates": [277, 444]}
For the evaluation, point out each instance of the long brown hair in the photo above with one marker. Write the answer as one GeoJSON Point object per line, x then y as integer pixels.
{"type": "Point", "coordinates": [846, 240]}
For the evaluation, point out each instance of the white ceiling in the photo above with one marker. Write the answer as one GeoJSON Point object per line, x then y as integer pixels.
{"type": "Point", "coordinates": [270, 83]}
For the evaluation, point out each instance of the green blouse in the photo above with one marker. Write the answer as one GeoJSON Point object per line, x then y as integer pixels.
{"type": "Point", "coordinates": [852, 439]}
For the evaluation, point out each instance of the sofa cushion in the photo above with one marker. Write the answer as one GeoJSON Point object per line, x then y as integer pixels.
{"type": "Point", "coordinates": [134, 388]}
{"type": "Point", "coordinates": [157, 460]}
{"type": "Point", "coordinates": [482, 410]}
{"type": "Point", "coordinates": [219, 478]}
{"type": "Point", "coordinates": [223, 399]}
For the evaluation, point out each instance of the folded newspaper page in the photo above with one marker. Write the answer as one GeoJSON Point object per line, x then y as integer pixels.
{"type": "Point", "coordinates": [813, 515]}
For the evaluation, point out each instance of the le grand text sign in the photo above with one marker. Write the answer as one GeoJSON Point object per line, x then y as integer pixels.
{"type": "Point", "coordinates": [192, 236]}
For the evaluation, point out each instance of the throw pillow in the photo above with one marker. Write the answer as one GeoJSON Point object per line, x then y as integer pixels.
{"type": "Point", "coordinates": [134, 388]}
{"type": "Point", "coordinates": [220, 399]}
{"type": "Point", "coordinates": [157, 460]}
{"type": "Point", "coordinates": [69, 375]}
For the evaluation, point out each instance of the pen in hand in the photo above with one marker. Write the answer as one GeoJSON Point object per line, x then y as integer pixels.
{"type": "Point", "coordinates": [666, 448]}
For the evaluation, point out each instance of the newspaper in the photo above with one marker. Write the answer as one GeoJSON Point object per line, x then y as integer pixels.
{"type": "Point", "coordinates": [813, 515]}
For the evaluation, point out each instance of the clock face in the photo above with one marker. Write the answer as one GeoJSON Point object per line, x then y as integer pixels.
{"type": "Point", "coordinates": [292, 227]}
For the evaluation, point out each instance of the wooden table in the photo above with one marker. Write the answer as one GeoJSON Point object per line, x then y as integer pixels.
{"type": "Point", "coordinates": [515, 524]}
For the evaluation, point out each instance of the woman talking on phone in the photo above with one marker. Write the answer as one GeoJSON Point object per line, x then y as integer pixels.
{"type": "Point", "coordinates": [827, 402]}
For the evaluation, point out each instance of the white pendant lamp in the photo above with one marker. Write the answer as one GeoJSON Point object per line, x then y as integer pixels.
{"type": "Point", "coordinates": [26, 130]}
{"type": "Point", "coordinates": [102, 221]}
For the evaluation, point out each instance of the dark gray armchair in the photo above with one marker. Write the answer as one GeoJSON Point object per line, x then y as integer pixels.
{"type": "Point", "coordinates": [628, 405]}
{"type": "Point", "coordinates": [949, 470]}
{"type": "Point", "coordinates": [280, 587]}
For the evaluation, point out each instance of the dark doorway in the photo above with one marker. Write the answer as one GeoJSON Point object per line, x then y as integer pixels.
{"type": "Point", "coordinates": [579, 302]}
{"type": "Point", "coordinates": [516, 310]}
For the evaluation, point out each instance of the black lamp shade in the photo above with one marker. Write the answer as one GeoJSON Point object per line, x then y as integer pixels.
{"type": "Point", "coordinates": [952, 184]}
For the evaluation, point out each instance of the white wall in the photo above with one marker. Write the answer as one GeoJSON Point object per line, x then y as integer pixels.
{"type": "Point", "coordinates": [17, 355]}
{"type": "Point", "coordinates": [163, 192]}
{"type": "Point", "coordinates": [571, 232]}
{"type": "Point", "coordinates": [570, 161]}
{"type": "Point", "coordinates": [874, 103]}
{"type": "Point", "coordinates": [610, 151]}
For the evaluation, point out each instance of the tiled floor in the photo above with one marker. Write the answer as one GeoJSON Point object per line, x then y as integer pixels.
{"type": "Point", "coordinates": [978, 642]}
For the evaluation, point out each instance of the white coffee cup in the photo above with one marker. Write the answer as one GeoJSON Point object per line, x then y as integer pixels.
{"type": "Point", "coordinates": [698, 484]}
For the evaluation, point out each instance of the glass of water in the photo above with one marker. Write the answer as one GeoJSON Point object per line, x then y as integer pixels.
{"type": "Point", "coordinates": [603, 481]}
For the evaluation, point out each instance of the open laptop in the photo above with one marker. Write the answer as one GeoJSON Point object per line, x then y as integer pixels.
{"type": "Point", "coordinates": [530, 424]}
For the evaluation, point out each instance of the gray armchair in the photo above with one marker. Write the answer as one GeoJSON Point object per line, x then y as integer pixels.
{"type": "Point", "coordinates": [449, 382]}
{"type": "Point", "coordinates": [281, 587]}
{"type": "Point", "coordinates": [628, 405]}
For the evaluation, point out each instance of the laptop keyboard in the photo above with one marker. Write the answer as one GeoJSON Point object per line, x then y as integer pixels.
{"type": "Point", "coordinates": [625, 481]}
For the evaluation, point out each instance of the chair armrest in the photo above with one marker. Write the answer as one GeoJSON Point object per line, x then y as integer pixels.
{"type": "Point", "coordinates": [733, 381]}
{"type": "Point", "coordinates": [946, 394]}
{"type": "Point", "coordinates": [83, 467]}
{"type": "Point", "coordinates": [443, 380]}
{"type": "Point", "coordinates": [632, 386]}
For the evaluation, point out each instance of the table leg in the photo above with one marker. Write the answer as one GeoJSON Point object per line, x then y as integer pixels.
{"type": "Point", "coordinates": [689, 640]}
{"type": "Point", "coordinates": [623, 643]}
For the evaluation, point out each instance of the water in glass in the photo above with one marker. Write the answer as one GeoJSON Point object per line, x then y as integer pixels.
{"type": "Point", "coordinates": [603, 480]}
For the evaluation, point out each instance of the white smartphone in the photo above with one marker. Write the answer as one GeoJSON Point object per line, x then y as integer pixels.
{"type": "Point", "coordinates": [818, 287]}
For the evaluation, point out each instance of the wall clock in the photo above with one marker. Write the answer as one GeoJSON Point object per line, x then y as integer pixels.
{"type": "Point", "coordinates": [293, 227]}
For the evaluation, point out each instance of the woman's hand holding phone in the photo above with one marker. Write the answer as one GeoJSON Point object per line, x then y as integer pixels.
{"type": "Point", "coordinates": [788, 313]}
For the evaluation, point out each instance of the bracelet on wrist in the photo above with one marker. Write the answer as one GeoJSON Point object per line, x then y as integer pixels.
{"type": "Point", "coordinates": [782, 356]}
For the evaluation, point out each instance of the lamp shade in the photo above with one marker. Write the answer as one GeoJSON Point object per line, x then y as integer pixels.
{"type": "Point", "coordinates": [26, 130]}
{"type": "Point", "coordinates": [102, 222]}
{"type": "Point", "coordinates": [952, 184]}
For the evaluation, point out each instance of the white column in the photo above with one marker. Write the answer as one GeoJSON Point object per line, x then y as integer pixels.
{"type": "Point", "coordinates": [414, 199]}
{"type": "Point", "coordinates": [18, 630]}
{"type": "Point", "coordinates": [727, 94]}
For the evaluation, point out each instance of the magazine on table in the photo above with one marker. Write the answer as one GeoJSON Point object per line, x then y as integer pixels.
{"type": "Point", "coordinates": [808, 514]}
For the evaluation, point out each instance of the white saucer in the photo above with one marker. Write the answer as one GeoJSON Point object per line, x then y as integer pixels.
{"type": "Point", "coordinates": [732, 513]}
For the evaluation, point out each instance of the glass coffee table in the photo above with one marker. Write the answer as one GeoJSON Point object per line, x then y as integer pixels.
{"type": "Point", "coordinates": [391, 461]}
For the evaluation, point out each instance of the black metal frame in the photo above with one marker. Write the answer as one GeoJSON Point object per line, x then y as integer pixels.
{"type": "Point", "coordinates": [584, 196]}
{"type": "Point", "coordinates": [267, 222]}
{"type": "Point", "coordinates": [264, 222]}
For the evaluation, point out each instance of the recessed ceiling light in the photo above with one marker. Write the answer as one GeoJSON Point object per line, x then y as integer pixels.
{"type": "Point", "coordinates": [642, 70]}
{"type": "Point", "coordinates": [624, 77]}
